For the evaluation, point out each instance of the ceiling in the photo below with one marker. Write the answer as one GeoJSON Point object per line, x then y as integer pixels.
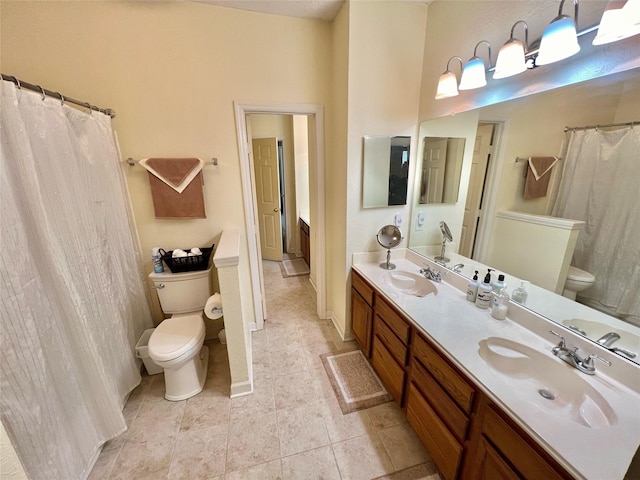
{"type": "Point", "coordinates": [324, 10]}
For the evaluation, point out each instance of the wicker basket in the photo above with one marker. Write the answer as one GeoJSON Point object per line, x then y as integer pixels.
{"type": "Point", "coordinates": [187, 264]}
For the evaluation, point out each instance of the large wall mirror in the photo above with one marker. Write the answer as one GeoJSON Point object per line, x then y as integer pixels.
{"type": "Point", "coordinates": [385, 171]}
{"type": "Point", "coordinates": [441, 168]}
{"type": "Point", "coordinates": [534, 126]}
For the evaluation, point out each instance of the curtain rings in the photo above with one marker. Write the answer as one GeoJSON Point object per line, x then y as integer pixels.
{"type": "Point", "coordinates": [18, 83]}
{"type": "Point", "coordinates": [61, 99]}
{"type": "Point", "coordinates": [88, 105]}
{"type": "Point", "coordinates": [44, 95]}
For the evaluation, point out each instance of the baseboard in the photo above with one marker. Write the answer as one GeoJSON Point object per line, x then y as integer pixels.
{"type": "Point", "coordinates": [345, 336]}
{"type": "Point", "coordinates": [240, 389]}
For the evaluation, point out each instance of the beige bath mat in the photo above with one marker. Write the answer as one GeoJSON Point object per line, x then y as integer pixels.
{"type": "Point", "coordinates": [294, 268]}
{"type": "Point", "coordinates": [353, 380]}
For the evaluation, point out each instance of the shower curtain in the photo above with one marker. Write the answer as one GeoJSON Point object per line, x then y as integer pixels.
{"type": "Point", "coordinates": [73, 302]}
{"type": "Point", "coordinates": [600, 185]}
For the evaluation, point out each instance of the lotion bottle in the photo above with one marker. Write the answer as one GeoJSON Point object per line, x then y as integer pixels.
{"type": "Point", "coordinates": [483, 299]}
{"type": "Point", "coordinates": [497, 286]}
{"type": "Point", "coordinates": [500, 305]}
{"type": "Point", "coordinates": [472, 288]}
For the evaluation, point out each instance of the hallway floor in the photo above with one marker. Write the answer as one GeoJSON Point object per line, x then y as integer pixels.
{"type": "Point", "coordinates": [291, 427]}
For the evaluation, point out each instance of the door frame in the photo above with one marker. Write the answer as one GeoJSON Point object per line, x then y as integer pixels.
{"type": "Point", "coordinates": [492, 183]}
{"type": "Point", "coordinates": [317, 209]}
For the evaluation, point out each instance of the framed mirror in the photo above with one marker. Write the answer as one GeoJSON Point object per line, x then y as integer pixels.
{"type": "Point", "coordinates": [385, 171]}
{"type": "Point", "coordinates": [534, 126]}
{"type": "Point", "coordinates": [440, 169]}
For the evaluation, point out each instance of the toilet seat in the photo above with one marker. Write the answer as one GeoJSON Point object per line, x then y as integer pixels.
{"type": "Point", "coordinates": [580, 276]}
{"type": "Point", "coordinates": [176, 336]}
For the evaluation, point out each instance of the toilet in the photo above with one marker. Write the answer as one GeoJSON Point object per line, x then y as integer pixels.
{"type": "Point", "coordinates": [176, 345]}
{"type": "Point", "coordinates": [576, 281]}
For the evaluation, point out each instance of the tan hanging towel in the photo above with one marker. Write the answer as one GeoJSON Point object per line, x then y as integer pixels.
{"type": "Point", "coordinates": [538, 176]}
{"type": "Point", "coordinates": [176, 187]}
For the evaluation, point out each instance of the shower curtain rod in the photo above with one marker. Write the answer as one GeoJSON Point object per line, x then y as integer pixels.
{"type": "Point", "coordinates": [605, 125]}
{"type": "Point", "coordinates": [37, 88]}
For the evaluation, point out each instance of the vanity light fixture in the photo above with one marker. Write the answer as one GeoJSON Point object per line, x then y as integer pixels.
{"type": "Point", "coordinates": [448, 83]}
{"type": "Point", "coordinates": [621, 19]}
{"type": "Point", "coordinates": [473, 74]}
{"type": "Point", "coordinates": [560, 38]}
{"type": "Point", "coordinates": [511, 57]}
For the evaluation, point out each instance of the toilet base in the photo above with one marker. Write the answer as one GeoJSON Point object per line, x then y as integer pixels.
{"type": "Point", "coordinates": [570, 294]}
{"type": "Point", "coordinates": [188, 380]}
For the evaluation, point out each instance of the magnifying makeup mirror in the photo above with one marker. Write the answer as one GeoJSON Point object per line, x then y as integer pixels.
{"type": "Point", "coordinates": [446, 237]}
{"type": "Point", "coordinates": [389, 237]}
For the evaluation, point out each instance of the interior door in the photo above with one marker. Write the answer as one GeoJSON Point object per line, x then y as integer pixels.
{"type": "Point", "coordinates": [265, 158]}
{"type": "Point", "coordinates": [435, 156]}
{"type": "Point", "coordinates": [473, 206]}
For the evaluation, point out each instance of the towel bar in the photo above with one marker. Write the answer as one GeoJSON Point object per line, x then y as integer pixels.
{"type": "Point", "coordinates": [131, 162]}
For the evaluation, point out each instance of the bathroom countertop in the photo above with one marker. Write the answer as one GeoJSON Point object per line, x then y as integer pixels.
{"type": "Point", "coordinates": [457, 326]}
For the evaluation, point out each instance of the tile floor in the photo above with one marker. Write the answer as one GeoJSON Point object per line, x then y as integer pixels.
{"type": "Point", "coordinates": [291, 427]}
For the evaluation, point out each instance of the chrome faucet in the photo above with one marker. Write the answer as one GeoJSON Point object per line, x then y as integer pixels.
{"type": "Point", "coordinates": [431, 274]}
{"type": "Point", "coordinates": [458, 267]}
{"type": "Point", "coordinates": [609, 339]}
{"type": "Point", "coordinates": [570, 356]}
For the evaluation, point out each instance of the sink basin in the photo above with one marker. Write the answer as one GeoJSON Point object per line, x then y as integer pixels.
{"type": "Point", "coordinates": [553, 387]}
{"type": "Point", "coordinates": [410, 283]}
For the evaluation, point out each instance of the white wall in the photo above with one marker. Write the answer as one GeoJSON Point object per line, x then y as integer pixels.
{"type": "Point", "coordinates": [386, 41]}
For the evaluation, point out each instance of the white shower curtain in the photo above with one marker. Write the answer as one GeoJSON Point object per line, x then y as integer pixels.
{"type": "Point", "coordinates": [601, 185]}
{"type": "Point", "coordinates": [73, 302]}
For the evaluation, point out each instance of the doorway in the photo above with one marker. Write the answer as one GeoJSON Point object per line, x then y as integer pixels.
{"type": "Point", "coordinates": [475, 206]}
{"type": "Point", "coordinates": [315, 115]}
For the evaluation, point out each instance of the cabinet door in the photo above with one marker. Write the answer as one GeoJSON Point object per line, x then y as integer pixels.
{"type": "Point", "coordinates": [361, 322]}
{"type": "Point", "coordinates": [491, 465]}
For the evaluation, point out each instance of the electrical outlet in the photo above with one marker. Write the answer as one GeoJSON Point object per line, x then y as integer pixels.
{"type": "Point", "coordinates": [398, 220]}
{"type": "Point", "coordinates": [420, 221]}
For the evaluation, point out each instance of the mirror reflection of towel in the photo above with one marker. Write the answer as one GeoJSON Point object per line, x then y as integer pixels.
{"type": "Point", "coordinates": [538, 176]}
{"type": "Point", "coordinates": [176, 187]}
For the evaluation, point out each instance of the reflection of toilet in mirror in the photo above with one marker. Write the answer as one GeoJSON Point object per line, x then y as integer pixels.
{"type": "Point", "coordinates": [577, 280]}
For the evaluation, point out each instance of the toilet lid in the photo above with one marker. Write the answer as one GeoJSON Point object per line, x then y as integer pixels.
{"type": "Point", "coordinates": [175, 335]}
{"type": "Point", "coordinates": [578, 275]}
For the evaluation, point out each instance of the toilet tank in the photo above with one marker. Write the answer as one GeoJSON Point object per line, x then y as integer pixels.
{"type": "Point", "coordinates": [182, 292]}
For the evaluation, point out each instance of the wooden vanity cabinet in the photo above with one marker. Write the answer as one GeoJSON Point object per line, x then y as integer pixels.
{"type": "Point", "coordinates": [468, 436]}
{"type": "Point", "coordinates": [305, 242]}
{"type": "Point", "coordinates": [361, 312]}
{"type": "Point", "coordinates": [439, 405]}
{"type": "Point", "coordinates": [389, 351]}
{"type": "Point", "coordinates": [502, 450]}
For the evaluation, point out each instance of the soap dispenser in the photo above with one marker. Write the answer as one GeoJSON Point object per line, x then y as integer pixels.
{"type": "Point", "coordinates": [520, 294]}
{"type": "Point", "coordinates": [472, 288]}
{"type": "Point", "coordinates": [497, 286]}
{"type": "Point", "coordinates": [500, 305]}
{"type": "Point", "coordinates": [483, 299]}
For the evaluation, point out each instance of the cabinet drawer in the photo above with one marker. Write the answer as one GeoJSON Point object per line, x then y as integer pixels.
{"type": "Point", "coordinates": [515, 448]}
{"type": "Point", "coordinates": [452, 382]}
{"type": "Point", "coordinates": [447, 409]}
{"type": "Point", "coordinates": [439, 442]}
{"type": "Point", "coordinates": [391, 374]}
{"type": "Point", "coordinates": [362, 287]}
{"type": "Point", "coordinates": [392, 319]}
{"type": "Point", "coordinates": [389, 339]}
{"type": "Point", "coordinates": [304, 227]}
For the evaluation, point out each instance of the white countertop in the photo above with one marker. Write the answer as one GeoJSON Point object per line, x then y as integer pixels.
{"type": "Point", "coordinates": [458, 326]}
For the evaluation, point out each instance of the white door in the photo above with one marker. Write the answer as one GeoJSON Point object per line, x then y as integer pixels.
{"type": "Point", "coordinates": [265, 158]}
{"type": "Point", "coordinates": [435, 156]}
{"type": "Point", "coordinates": [473, 206]}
